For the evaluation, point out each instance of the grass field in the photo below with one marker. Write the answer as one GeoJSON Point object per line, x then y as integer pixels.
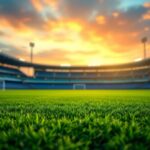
{"type": "Point", "coordinates": [117, 120]}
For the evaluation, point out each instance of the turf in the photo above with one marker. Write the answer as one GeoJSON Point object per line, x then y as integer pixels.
{"type": "Point", "coordinates": [75, 120]}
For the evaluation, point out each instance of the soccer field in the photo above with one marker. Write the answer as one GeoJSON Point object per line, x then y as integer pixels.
{"type": "Point", "coordinates": [104, 119]}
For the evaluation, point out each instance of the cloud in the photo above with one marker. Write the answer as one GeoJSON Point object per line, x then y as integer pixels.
{"type": "Point", "coordinates": [20, 12]}
{"type": "Point", "coordinates": [11, 50]}
{"type": "Point", "coordinates": [2, 33]}
{"type": "Point", "coordinates": [86, 8]}
{"type": "Point", "coordinates": [146, 16]}
{"type": "Point", "coordinates": [41, 4]}
{"type": "Point", "coordinates": [101, 20]}
{"type": "Point", "coordinates": [73, 31]}
{"type": "Point", "coordinates": [58, 56]}
{"type": "Point", "coordinates": [147, 5]}
{"type": "Point", "coordinates": [106, 6]}
{"type": "Point", "coordinates": [77, 8]}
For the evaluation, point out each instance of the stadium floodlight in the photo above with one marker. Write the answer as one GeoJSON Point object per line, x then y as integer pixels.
{"type": "Point", "coordinates": [31, 46]}
{"type": "Point", "coordinates": [144, 40]}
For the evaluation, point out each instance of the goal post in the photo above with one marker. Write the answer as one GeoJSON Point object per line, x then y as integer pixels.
{"type": "Point", "coordinates": [2, 85]}
{"type": "Point", "coordinates": [79, 86]}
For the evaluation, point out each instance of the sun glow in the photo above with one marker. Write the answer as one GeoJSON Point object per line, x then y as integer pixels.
{"type": "Point", "coordinates": [65, 65]}
{"type": "Point", "coordinates": [138, 59]}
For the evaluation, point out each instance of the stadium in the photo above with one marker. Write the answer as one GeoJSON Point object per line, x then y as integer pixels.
{"type": "Point", "coordinates": [134, 75]}
{"type": "Point", "coordinates": [74, 75]}
{"type": "Point", "coordinates": [74, 107]}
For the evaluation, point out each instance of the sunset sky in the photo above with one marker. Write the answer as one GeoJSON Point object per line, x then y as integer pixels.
{"type": "Point", "coordinates": [76, 32]}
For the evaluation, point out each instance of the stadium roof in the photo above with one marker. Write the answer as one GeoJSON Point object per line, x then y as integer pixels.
{"type": "Point", "coordinates": [9, 60]}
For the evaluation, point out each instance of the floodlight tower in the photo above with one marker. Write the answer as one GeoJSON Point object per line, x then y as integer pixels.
{"type": "Point", "coordinates": [144, 40]}
{"type": "Point", "coordinates": [31, 46]}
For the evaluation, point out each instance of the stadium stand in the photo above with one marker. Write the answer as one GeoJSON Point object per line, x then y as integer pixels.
{"type": "Point", "coordinates": [135, 75]}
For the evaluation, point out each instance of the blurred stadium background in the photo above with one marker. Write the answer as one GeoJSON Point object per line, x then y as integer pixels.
{"type": "Point", "coordinates": [135, 75]}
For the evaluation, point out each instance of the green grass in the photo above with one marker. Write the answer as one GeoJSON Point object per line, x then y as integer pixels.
{"type": "Point", "coordinates": [117, 120]}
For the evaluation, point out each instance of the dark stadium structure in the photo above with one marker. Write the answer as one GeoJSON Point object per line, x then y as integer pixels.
{"type": "Point", "coordinates": [135, 75]}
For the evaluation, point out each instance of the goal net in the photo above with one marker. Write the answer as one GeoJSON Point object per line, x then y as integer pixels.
{"type": "Point", "coordinates": [2, 85]}
{"type": "Point", "coordinates": [79, 86]}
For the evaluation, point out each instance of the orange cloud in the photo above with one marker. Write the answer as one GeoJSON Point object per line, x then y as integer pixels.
{"type": "Point", "coordinates": [41, 4]}
{"type": "Point", "coordinates": [64, 28]}
{"type": "Point", "coordinates": [20, 28]}
{"type": "Point", "coordinates": [75, 26]}
{"type": "Point", "coordinates": [146, 16]}
{"type": "Point", "coordinates": [53, 3]}
{"type": "Point", "coordinates": [3, 23]}
{"type": "Point", "coordinates": [115, 14]}
{"type": "Point", "coordinates": [37, 4]}
{"type": "Point", "coordinates": [147, 5]}
{"type": "Point", "coordinates": [101, 20]}
{"type": "Point", "coordinates": [76, 42]}
{"type": "Point", "coordinates": [146, 28]}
